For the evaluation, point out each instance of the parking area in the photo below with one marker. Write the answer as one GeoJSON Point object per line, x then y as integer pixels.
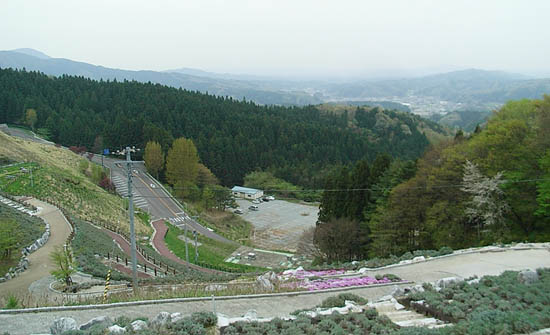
{"type": "Point", "coordinates": [279, 224]}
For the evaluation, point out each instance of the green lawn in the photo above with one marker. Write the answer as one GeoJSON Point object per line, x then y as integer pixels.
{"type": "Point", "coordinates": [211, 253]}
{"type": "Point", "coordinates": [29, 229]}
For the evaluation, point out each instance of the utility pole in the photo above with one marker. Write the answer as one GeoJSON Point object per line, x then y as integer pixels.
{"type": "Point", "coordinates": [196, 249]}
{"type": "Point", "coordinates": [131, 212]}
{"type": "Point", "coordinates": [186, 248]}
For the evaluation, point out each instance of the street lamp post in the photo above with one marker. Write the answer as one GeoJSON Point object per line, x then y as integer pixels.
{"type": "Point", "coordinates": [196, 249]}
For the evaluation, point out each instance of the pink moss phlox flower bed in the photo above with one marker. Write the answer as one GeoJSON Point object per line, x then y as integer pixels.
{"type": "Point", "coordinates": [324, 284]}
{"type": "Point", "coordinates": [301, 274]}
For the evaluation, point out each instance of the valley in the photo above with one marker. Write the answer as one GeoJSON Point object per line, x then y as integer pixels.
{"type": "Point", "coordinates": [358, 215]}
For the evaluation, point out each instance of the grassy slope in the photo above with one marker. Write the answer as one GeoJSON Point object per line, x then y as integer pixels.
{"type": "Point", "coordinates": [211, 252]}
{"type": "Point", "coordinates": [59, 179]}
{"type": "Point", "coordinates": [30, 229]}
{"type": "Point", "coordinates": [229, 225]}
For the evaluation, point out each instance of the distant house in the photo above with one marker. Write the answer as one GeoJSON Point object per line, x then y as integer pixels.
{"type": "Point", "coordinates": [246, 193]}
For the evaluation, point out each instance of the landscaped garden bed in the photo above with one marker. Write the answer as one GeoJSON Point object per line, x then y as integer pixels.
{"type": "Point", "coordinates": [331, 283]}
{"type": "Point", "coordinates": [511, 303]}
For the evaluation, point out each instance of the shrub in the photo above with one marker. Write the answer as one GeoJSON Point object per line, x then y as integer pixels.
{"type": "Point", "coordinates": [186, 326]}
{"type": "Point", "coordinates": [13, 302]}
{"type": "Point", "coordinates": [207, 319]}
{"type": "Point", "coordinates": [339, 300]}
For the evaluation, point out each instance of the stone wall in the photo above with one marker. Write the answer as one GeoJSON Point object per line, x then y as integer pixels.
{"type": "Point", "coordinates": [24, 261]}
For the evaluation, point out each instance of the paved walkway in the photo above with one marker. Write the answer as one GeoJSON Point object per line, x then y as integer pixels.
{"type": "Point", "coordinates": [491, 263]}
{"type": "Point", "coordinates": [40, 264]}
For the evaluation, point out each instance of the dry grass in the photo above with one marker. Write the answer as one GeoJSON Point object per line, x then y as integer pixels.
{"type": "Point", "coordinates": [61, 181]}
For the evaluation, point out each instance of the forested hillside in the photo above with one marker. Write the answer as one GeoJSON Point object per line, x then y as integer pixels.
{"type": "Point", "coordinates": [232, 137]}
{"type": "Point", "coordinates": [493, 186]}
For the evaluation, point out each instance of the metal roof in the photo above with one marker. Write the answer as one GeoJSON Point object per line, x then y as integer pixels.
{"type": "Point", "coordinates": [245, 190]}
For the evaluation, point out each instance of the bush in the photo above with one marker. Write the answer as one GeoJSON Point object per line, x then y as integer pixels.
{"type": "Point", "coordinates": [13, 302]}
{"type": "Point", "coordinates": [207, 319]}
{"type": "Point", "coordinates": [339, 300]}
{"type": "Point", "coordinates": [186, 326]}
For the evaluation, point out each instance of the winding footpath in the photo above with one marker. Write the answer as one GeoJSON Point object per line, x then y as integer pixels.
{"type": "Point", "coordinates": [40, 263]}
{"type": "Point", "coordinates": [464, 265]}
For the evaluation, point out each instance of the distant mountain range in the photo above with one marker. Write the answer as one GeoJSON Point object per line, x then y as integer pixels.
{"type": "Point", "coordinates": [33, 60]}
{"type": "Point", "coordinates": [459, 90]}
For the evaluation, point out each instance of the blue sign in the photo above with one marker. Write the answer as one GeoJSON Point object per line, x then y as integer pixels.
{"type": "Point", "coordinates": [105, 151]}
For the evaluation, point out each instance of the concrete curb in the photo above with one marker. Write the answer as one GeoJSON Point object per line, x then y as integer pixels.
{"type": "Point", "coordinates": [177, 300]}
{"type": "Point", "coordinates": [481, 250]}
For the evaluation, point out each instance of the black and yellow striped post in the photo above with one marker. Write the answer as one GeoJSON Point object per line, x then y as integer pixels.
{"type": "Point", "coordinates": [107, 280]}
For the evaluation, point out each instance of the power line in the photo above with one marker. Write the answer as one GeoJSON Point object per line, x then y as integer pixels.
{"type": "Point", "coordinates": [364, 189]}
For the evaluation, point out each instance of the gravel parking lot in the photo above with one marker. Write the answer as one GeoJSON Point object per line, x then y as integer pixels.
{"type": "Point", "coordinates": [279, 224]}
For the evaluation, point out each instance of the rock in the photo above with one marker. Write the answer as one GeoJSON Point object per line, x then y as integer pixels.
{"type": "Point", "coordinates": [62, 325]}
{"type": "Point", "coordinates": [362, 270]}
{"type": "Point", "coordinates": [251, 314]}
{"type": "Point", "coordinates": [385, 298]}
{"type": "Point", "coordinates": [215, 287]}
{"type": "Point", "coordinates": [528, 277]}
{"type": "Point", "coordinates": [398, 306]}
{"type": "Point", "coordinates": [473, 281]}
{"type": "Point", "coordinates": [352, 306]}
{"type": "Point", "coordinates": [161, 319]}
{"type": "Point", "coordinates": [397, 292]}
{"type": "Point", "coordinates": [116, 329]}
{"type": "Point", "coordinates": [223, 320]}
{"type": "Point", "coordinates": [265, 283]}
{"type": "Point", "coordinates": [444, 282]}
{"type": "Point", "coordinates": [138, 325]}
{"type": "Point", "coordinates": [175, 317]}
{"type": "Point", "coordinates": [419, 259]}
{"type": "Point", "coordinates": [105, 321]}
{"type": "Point", "coordinates": [266, 280]}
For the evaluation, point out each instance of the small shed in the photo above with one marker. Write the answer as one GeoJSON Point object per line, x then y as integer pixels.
{"type": "Point", "coordinates": [246, 193]}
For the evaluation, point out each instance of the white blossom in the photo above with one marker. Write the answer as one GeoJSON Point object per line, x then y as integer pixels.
{"type": "Point", "coordinates": [487, 203]}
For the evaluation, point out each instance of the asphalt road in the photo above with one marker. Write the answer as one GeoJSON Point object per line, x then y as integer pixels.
{"type": "Point", "coordinates": [26, 135]}
{"type": "Point", "coordinates": [149, 195]}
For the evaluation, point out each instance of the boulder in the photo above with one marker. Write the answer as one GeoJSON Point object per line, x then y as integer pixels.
{"type": "Point", "coordinates": [528, 277]}
{"type": "Point", "coordinates": [175, 317]}
{"type": "Point", "coordinates": [251, 314]}
{"type": "Point", "coordinates": [161, 319]}
{"type": "Point", "coordinates": [419, 259]}
{"type": "Point", "coordinates": [138, 325]}
{"type": "Point", "coordinates": [473, 281]}
{"type": "Point", "coordinates": [116, 329]}
{"type": "Point", "coordinates": [62, 325]}
{"type": "Point", "coordinates": [444, 282]}
{"type": "Point", "coordinates": [105, 321]}
{"type": "Point", "coordinates": [398, 306]}
{"type": "Point", "coordinates": [266, 280]}
{"type": "Point", "coordinates": [385, 298]}
{"type": "Point", "coordinates": [215, 287]}
{"type": "Point", "coordinates": [397, 291]}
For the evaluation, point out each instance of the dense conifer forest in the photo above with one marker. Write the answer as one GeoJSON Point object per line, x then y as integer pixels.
{"type": "Point", "coordinates": [233, 138]}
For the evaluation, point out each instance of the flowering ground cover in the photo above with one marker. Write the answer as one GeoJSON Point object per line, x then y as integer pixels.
{"type": "Point", "coordinates": [301, 274]}
{"type": "Point", "coordinates": [328, 283]}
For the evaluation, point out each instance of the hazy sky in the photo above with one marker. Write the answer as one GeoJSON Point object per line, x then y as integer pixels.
{"type": "Point", "coordinates": [287, 37]}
